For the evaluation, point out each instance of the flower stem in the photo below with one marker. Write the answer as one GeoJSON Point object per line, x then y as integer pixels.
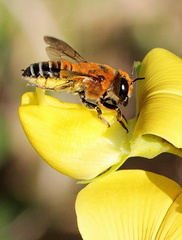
{"type": "Point", "coordinates": [41, 96]}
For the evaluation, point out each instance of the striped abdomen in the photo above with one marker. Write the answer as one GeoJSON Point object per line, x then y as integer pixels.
{"type": "Point", "coordinates": [50, 69]}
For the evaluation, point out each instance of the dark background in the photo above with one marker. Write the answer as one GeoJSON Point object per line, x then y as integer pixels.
{"type": "Point", "coordinates": [36, 202]}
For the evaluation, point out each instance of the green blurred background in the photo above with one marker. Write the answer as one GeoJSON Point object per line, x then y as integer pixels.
{"type": "Point", "coordinates": [36, 202]}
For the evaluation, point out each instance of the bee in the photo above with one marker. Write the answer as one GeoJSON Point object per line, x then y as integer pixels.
{"type": "Point", "coordinates": [96, 84]}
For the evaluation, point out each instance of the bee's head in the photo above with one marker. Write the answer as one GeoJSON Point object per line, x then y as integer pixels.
{"type": "Point", "coordinates": [122, 87]}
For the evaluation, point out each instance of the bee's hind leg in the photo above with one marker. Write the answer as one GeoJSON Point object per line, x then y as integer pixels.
{"type": "Point", "coordinates": [93, 106]}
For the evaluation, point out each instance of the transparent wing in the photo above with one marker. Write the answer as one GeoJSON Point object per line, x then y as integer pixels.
{"type": "Point", "coordinates": [71, 74]}
{"type": "Point", "coordinates": [59, 50]}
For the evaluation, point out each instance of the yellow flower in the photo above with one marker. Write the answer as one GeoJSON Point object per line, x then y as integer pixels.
{"type": "Point", "coordinates": [130, 205]}
{"type": "Point", "coordinates": [75, 142]}
{"type": "Point", "coordinates": [158, 122]}
{"type": "Point", "coordinates": [70, 137]}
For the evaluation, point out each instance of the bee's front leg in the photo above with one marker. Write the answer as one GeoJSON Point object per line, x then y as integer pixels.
{"type": "Point", "coordinates": [93, 106]}
{"type": "Point", "coordinates": [120, 118]}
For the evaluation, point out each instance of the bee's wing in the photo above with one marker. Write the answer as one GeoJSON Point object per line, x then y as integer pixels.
{"type": "Point", "coordinates": [58, 50]}
{"type": "Point", "coordinates": [71, 74]}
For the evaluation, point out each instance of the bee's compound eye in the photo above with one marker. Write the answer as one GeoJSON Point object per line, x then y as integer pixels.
{"type": "Point", "coordinates": [123, 93]}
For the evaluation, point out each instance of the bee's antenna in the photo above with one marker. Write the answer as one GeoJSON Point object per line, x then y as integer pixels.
{"type": "Point", "coordinates": [136, 79]}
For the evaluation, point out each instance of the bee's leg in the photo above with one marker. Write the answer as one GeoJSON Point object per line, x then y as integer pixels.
{"type": "Point", "coordinates": [99, 114]}
{"type": "Point", "coordinates": [63, 87]}
{"type": "Point", "coordinates": [93, 106]}
{"type": "Point", "coordinates": [120, 118]}
{"type": "Point", "coordinates": [114, 106]}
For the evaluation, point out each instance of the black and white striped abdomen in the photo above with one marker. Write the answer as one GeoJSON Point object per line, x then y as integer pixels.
{"type": "Point", "coordinates": [50, 69]}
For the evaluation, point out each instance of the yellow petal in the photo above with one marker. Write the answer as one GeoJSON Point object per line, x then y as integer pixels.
{"type": "Point", "coordinates": [171, 227]}
{"type": "Point", "coordinates": [130, 205]}
{"type": "Point", "coordinates": [159, 98]}
{"type": "Point", "coordinates": [70, 137]}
